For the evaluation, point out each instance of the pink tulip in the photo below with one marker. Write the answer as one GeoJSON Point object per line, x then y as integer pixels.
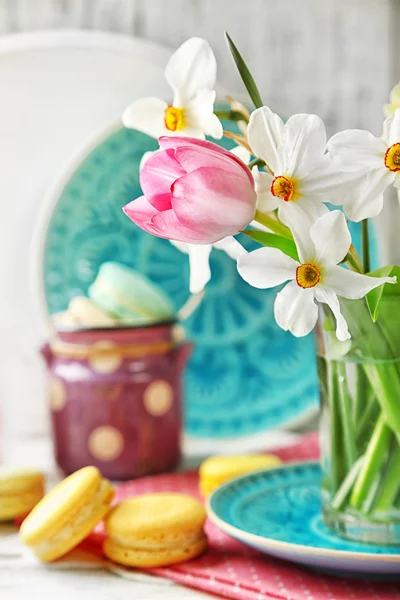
{"type": "Point", "coordinates": [194, 191]}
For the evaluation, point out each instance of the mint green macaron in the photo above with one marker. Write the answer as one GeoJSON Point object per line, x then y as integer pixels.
{"type": "Point", "coordinates": [129, 296]}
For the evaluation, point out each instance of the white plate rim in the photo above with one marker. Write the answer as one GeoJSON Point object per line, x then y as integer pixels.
{"type": "Point", "coordinates": [286, 547]}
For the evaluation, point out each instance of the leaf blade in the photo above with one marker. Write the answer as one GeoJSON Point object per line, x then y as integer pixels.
{"type": "Point", "coordinates": [272, 240]}
{"type": "Point", "coordinates": [244, 73]}
{"type": "Point", "coordinates": [374, 297]}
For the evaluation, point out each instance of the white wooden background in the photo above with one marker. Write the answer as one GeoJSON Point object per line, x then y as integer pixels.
{"type": "Point", "coordinates": [337, 58]}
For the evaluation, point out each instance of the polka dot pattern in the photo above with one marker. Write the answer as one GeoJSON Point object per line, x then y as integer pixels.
{"type": "Point", "coordinates": [58, 394]}
{"type": "Point", "coordinates": [158, 398]}
{"type": "Point", "coordinates": [232, 570]}
{"type": "Point", "coordinates": [106, 443]}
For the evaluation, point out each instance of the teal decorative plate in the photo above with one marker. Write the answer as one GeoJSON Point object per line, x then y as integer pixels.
{"type": "Point", "coordinates": [278, 512]}
{"type": "Point", "coordinates": [246, 375]}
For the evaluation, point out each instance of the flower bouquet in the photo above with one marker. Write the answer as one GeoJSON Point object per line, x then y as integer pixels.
{"type": "Point", "coordinates": [275, 187]}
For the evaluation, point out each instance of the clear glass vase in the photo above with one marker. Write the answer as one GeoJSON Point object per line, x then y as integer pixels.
{"type": "Point", "coordinates": [360, 422]}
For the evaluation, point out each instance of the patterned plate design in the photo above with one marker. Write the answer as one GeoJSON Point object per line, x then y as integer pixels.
{"type": "Point", "coordinates": [246, 374]}
{"type": "Point", "coordinates": [279, 512]}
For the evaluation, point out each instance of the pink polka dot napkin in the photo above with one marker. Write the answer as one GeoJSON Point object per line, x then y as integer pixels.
{"type": "Point", "coordinates": [232, 570]}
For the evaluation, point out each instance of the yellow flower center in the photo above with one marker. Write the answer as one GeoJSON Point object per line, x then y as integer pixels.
{"type": "Point", "coordinates": [308, 275]}
{"type": "Point", "coordinates": [392, 157]}
{"type": "Point", "coordinates": [283, 188]}
{"type": "Point", "coordinates": [174, 118]}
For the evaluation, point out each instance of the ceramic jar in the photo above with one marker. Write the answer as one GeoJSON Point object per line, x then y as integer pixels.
{"type": "Point", "coordinates": [116, 399]}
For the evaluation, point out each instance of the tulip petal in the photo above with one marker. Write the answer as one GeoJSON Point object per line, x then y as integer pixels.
{"type": "Point", "coordinates": [191, 68]}
{"type": "Point", "coordinates": [157, 175]}
{"type": "Point", "coordinates": [331, 238]}
{"type": "Point", "coordinates": [295, 309]}
{"type": "Point", "coordinates": [199, 262]}
{"type": "Point", "coordinates": [178, 141]}
{"type": "Point", "coordinates": [266, 267]}
{"type": "Point", "coordinates": [352, 285]}
{"type": "Point", "coordinates": [146, 115]}
{"type": "Point", "coordinates": [191, 158]}
{"type": "Point", "coordinates": [265, 134]}
{"type": "Point", "coordinates": [364, 197]}
{"type": "Point", "coordinates": [161, 224]}
{"type": "Point", "coordinates": [167, 225]}
{"type": "Point", "coordinates": [266, 201]}
{"type": "Point", "coordinates": [304, 144]}
{"type": "Point", "coordinates": [140, 211]}
{"type": "Point", "coordinates": [199, 114]}
{"type": "Point", "coordinates": [210, 147]}
{"type": "Point", "coordinates": [328, 296]}
{"type": "Point", "coordinates": [356, 150]}
{"type": "Point", "coordinates": [215, 201]}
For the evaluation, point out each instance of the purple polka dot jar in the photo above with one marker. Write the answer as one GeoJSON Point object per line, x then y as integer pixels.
{"type": "Point", "coordinates": [116, 399]}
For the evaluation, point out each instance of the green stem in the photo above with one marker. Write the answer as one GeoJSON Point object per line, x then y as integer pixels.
{"type": "Point", "coordinates": [349, 437]}
{"type": "Point", "coordinates": [364, 423]}
{"type": "Point", "coordinates": [337, 464]}
{"type": "Point", "coordinates": [365, 245]}
{"type": "Point", "coordinates": [345, 489]}
{"type": "Point", "coordinates": [231, 115]}
{"type": "Point", "coordinates": [353, 260]}
{"type": "Point", "coordinates": [391, 483]}
{"type": "Point", "coordinates": [273, 224]}
{"type": "Point", "coordinates": [256, 162]}
{"type": "Point", "coordinates": [374, 458]}
{"type": "Point", "coordinates": [362, 395]}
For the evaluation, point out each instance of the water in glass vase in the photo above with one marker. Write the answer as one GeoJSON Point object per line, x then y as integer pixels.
{"type": "Point", "coordinates": [360, 424]}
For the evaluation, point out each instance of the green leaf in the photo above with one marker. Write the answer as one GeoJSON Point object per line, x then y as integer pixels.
{"type": "Point", "coordinates": [374, 297]}
{"type": "Point", "coordinates": [245, 74]}
{"type": "Point", "coordinates": [272, 240]}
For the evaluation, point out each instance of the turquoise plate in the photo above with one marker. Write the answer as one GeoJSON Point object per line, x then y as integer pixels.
{"type": "Point", "coordinates": [278, 512]}
{"type": "Point", "coordinates": [246, 375]}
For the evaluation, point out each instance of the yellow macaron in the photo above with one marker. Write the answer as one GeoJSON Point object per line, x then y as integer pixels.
{"type": "Point", "coordinates": [20, 491]}
{"type": "Point", "coordinates": [155, 530]}
{"type": "Point", "coordinates": [67, 514]}
{"type": "Point", "coordinates": [217, 470]}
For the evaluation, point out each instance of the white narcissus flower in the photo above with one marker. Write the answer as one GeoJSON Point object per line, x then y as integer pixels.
{"type": "Point", "coordinates": [199, 257]}
{"type": "Point", "coordinates": [316, 278]}
{"type": "Point", "coordinates": [295, 153]}
{"type": "Point", "coordinates": [373, 163]}
{"type": "Point", "coordinates": [191, 72]}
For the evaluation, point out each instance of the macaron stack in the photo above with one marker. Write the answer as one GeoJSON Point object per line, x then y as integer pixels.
{"type": "Point", "coordinates": [20, 491]}
{"type": "Point", "coordinates": [119, 297]}
{"type": "Point", "coordinates": [217, 470]}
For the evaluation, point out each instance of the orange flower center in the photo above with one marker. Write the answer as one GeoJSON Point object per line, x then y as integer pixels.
{"type": "Point", "coordinates": [392, 157]}
{"type": "Point", "coordinates": [283, 188]}
{"type": "Point", "coordinates": [308, 276]}
{"type": "Point", "coordinates": [174, 118]}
